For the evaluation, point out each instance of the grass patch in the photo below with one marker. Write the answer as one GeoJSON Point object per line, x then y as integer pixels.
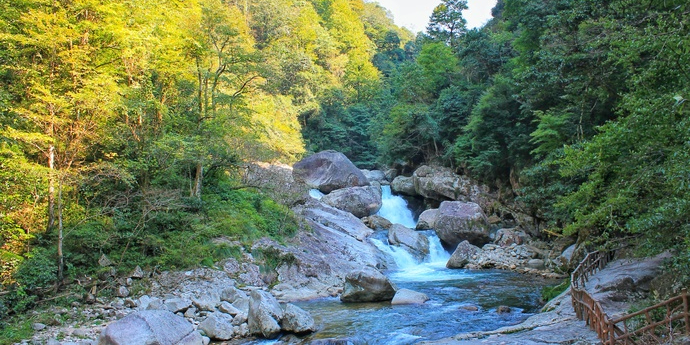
{"type": "Point", "coordinates": [550, 292]}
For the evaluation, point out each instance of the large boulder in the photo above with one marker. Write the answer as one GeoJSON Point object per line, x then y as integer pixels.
{"type": "Point", "coordinates": [328, 171]}
{"type": "Point", "coordinates": [367, 285]}
{"type": "Point", "coordinates": [150, 327]}
{"type": "Point", "coordinates": [296, 320]}
{"type": "Point", "coordinates": [508, 237]}
{"type": "Point", "coordinates": [360, 201]}
{"type": "Point", "coordinates": [277, 180]}
{"type": "Point", "coordinates": [436, 183]}
{"type": "Point", "coordinates": [462, 255]}
{"type": "Point", "coordinates": [458, 221]}
{"type": "Point", "coordinates": [403, 185]}
{"type": "Point", "coordinates": [414, 242]}
{"type": "Point", "coordinates": [427, 220]}
{"type": "Point", "coordinates": [406, 296]}
{"type": "Point", "coordinates": [218, 326]}
{"type": "Point", "coordinates": [265, 314]}
{"type": "Point", "coordinates": [332, 217]}
{"type": "Point", "coordinates": [376, 176]}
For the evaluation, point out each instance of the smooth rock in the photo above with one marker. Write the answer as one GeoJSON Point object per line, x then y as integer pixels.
{"type": "Point", "coordinates": [403, 185]}
{"type": "Point", "coordinates": [328, 171]}
{"type": "Point", "coordinates": [367, 285]}
{"type": "Point", "coordinates": [360, 201]}
{"type": "Point", "coordinates": [122, 291]}
{"type": "Point", "coordinates": [537, 264]}
{"type": "Point", "coordinates": [297, 320]}
{"type": "Point", "coordinates": [264, 314]}
{"type": "Point", "coordinates": [208, 301]}
{"type": "Point", "coordinates": [150, 327]}
{"type": "Point", "coordinates": [217, 326]}
{"type": "Point", "coordinates": [375, 176]}
{"type": "Point", "coordinates": [38, 326]}
{"type": "Point", "coordinates": [427, 220]}
{"type": "Point", "coordinates": [231, 294]}
{"type": "Point", "coordinates": [462, 255]}
{"type": "Point", "coordinates": [458, 221]}
{"type": "Point", "coordinates": [414, 242]}
{"type": "Point", "coordinates": [376, 222]}
{"type": "Point", "coordinates": [406, 296]}
{"type": "Point", "coordinates": [227, 308]}
{"type": "Point", "coordinates": [177, 304]}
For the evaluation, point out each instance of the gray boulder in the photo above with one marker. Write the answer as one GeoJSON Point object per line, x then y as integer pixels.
{"type": "Point", "coordinates": [208, 301]}
{"type": "Point", "coordinates": [231, 294]}
{"type": "Point", "coordinates": [296, 320]}
{"type": "Point", "coordinates": [377, 222]}
{"type": "Point", "coordinates": [403, 185]}
{"type": "Point", "coordinates": [414, 242]}
{"type": "Point", "coordinates": [360, 201]}
{"type": "Point", "coordinates": [218, 326]}
{"type": "Point", "coordinates": [462, 255]}
{"type": "Point", "coordinates": [376, 176]}
{"type": "Point", "coordinates": [436, 183]}
{"type": "Point", "coordinates": [391, 174]}
{"type": "Point", "coordinates": [367, 285]}
{"type": "Point", "coordinates": [328, 171]}
{"type": "Point", "coordinates": [458, 221]}
{"type": "Point", "coordinates": [406, 296]}
{"type": "Point", "coordinates": [177, 304]}
{"type": "Point", "coordinates": [427, 220]}
{"type": "Point", "coordinates": [334, 218]}
{"type": "Point", "coordinates": [264, 315]}
{"type": "Point", "coordinates": [507, 237]}
{"type": "Point", "coordinates": [150, 327]}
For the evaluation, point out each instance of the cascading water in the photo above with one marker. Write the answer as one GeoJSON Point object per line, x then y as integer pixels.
{"type": "Point", "coordinates": [450, 292]}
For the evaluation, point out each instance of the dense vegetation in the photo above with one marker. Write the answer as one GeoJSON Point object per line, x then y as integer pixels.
{"type": "Point", "coordinates": [578, 107]}
{"type": "Point", "coordinates": [123, 124]}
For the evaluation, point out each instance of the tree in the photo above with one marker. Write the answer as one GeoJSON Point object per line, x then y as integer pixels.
{"type": "Point", "coordinates": [446, 23]}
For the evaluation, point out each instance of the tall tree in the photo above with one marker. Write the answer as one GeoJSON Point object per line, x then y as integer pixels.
{"type": "Point", "coordinates": [446, 23]}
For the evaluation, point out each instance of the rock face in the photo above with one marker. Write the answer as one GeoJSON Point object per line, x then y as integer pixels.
{"type": "Point", "coordinates": [405, 296]}
{"type": "Point", "coordinates": [403, 185]}
{"type": "Point", "coordinates": [427, 220]}
{"type": "Point", "coordinates": [436, 183]}
{"type": "Point", "coordinates": [328, 171]}
{"type": "Point", "coordinates": [367, 285]}
{"type": "Point", "coordinates": [360, 201]}
{"type": "Point", "coordinates": [150, 327]}
{"type": "Point", "coordinates": [337, 219]}
{"type": "Point", "coordinates": [296, 320]}
{"type": "Point", "coordinates": [264, 315]}
{"type": "Point", "coordinates": [415, 243]}
{"type": "Point", "coordinates": [458, 221]}
{"type": "Point", "coordinates": [462, 255]}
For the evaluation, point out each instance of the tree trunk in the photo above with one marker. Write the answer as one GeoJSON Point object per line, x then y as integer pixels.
{"type": "Point", "coordinates": [198, 179]}
{"type": "Point", "coordinates": [60, 258]}
{"type": "Point", "coordinates": [51, 188]}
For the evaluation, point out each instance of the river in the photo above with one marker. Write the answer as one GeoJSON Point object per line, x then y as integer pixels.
{"type": "Point", "coordinates": [460, 300]}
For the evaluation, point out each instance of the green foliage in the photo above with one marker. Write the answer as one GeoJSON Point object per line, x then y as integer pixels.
{"type": "Point", "coordinates": [550, 292]}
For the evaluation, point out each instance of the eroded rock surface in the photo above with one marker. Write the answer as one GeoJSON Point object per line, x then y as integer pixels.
{"type": "Point", "coordinates": [360, 201]}
{"type": "Point", "coordinates": [367, 285]}
{"type": "Point", "coordinates": [328, 171]}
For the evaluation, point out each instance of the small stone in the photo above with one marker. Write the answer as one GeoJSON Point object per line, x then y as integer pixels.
{"type": "Point", "coordinates": [122, 291]}
{"type": "Point", "coordinates": [103, 261]}
{"type": "Point", "coordinates": [130, 303]}
{"type": "Point", "coordinates": [137, 273]}
{"type": "Point", "coordinates": [503, 309]}
{"type": "Point", "coordinates": [470, 307]}
{"type": "Point", "coordinates": [38, 326]}
{"type": "Point", "coordinates": [79, 332]}
{"type": "Point", "coordinates": [128, 281]}
{"type": "Point", "coordinates": [190, 313]}
{"type": "Point", "coordinates": [227, 308]}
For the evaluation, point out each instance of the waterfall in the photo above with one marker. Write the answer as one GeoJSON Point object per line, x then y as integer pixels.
{"type": "Point", "coordinates": [394, 208]}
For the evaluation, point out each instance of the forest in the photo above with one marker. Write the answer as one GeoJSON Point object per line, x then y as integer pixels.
{"type": "Point", "coordinates": [124, 124]}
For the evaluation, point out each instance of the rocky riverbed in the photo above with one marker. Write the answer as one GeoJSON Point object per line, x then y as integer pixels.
{"type": "Point", "coordinates": [249, 296]}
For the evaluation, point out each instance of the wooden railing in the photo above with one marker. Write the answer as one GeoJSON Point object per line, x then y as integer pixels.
{"type": "Point", "coordinates": [655, 324]}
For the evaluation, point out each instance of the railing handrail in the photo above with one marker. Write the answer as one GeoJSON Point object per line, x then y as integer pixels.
{"type": "Point", "coordinates": [596, 317]}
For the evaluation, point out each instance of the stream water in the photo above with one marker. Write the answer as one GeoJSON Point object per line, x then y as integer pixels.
{"type": "Point", "coordinates": [460, 300]}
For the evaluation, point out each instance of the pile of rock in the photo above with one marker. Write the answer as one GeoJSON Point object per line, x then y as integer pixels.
{"type": "Point", "coordinates": [230, 314]}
